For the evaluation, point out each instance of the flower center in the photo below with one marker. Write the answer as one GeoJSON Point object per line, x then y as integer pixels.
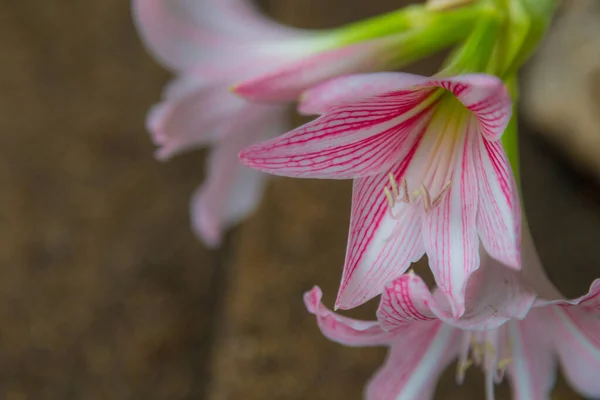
{"type": "Point", "coordinates": [398, 192]}
{"type": "Point", "coordinates": [491, 351]}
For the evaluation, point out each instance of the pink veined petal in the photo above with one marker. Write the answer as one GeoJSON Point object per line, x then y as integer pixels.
{"type": "Point", "coordinates": [494, 294]}
{"type": "Point", "coordinates": [576, 336]}
{"type": "Point", "coordinates": [344, 330]}
{"type": "Point", "coordinates": [289, 80]}
{"type": "Point", "coordinates": [416, 360]}
{"type": "Point", "coordinates": [532, 370]}
{"type": "Point", "coordinates": [589, 302]}
{"type": "Point", "coordinates": [449, 230]}
{"type": "Point", "coordinates": [231, 191]}
{"type": "Point", "coordinates": [404, 301]}
{"type": "Point", "coordinates": [485, 96]}
{"type": "Point", "coordinates": [381, 247]}
{"type": "Point", "coordinates": [353, 141]}
{"type": "Point", "coordinates": [353, 88]}
{"type": "Point", "coordinates": [499, 210]}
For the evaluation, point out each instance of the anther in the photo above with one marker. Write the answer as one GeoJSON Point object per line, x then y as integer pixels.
{"type": "Point", "coordinates": [502, 364]}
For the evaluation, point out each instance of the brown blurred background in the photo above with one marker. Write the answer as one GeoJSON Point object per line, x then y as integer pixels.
{"type": "Point", "coordinates": [104, 291]}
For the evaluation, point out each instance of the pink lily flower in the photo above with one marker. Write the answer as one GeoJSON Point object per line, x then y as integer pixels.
{"type": "Point", "coordinates": [430, 175]}
{"type": "Point", "coordinates": [423, 341]}
{"type": "Point", "coordinates": [210, 45]}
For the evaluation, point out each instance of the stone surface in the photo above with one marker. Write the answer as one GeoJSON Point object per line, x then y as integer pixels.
{"type": "Point", "coordinates": [104, 292]}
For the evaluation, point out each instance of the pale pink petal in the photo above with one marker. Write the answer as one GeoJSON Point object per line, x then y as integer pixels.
{"type": "Point", "coordinates": [449, 230]}
{"type": "Point", "coordinates": [494, 294]}
{"type": "Point", "coordinates": [182, 34]}
{"type": "Point", "coordinates": [499, 210]}
{"type": "Point", "coordinates": [589, 302]}
{"type": "Point", "coordinates": [231, 191]}
{"type": "Point", "coordinates": [289, 80]}
{"type": "Point", "coordinates": [484, 95]}
{"type": "Point", "coordinates": [356, 140]}
{"type": "Point", "coordinates": [344, 330]}
{"type": "Point", "coordinates": [576, 336]}
{"type": "Point", "coordinates": [381, 247]}
{"type": "Point", "coordinates": [532, 368]}
{"type": "Point", "coordinates": [416, 360]}
{"type": "Point", "coordinates": [196, 115]}
{"type": "Point", "coordinates": [404, 301]}
{"type": "Point", "coordinates": [353, 88]}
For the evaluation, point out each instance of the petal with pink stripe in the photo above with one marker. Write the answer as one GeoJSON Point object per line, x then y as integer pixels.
{"type": "Point", "coordinates": [353, 141]}
{"type": "Point", "coordinates": [404, 301]}
{"type": "Point", "coordinates": [484, 95]}
{"type": "Point", "coordinates": [344, 330]}
{"type": "Point", "coordinates": [532, 370]}
{"type": "Point", "coordinates": [499, 210]}
{"type": "Point", "coordinates": [416, 360]}
{"type": "Point", "coordinates": [449, 230]}
{"type": "Point", "coordinates": [576, 336]}
{"type": "Point", "coordinates": [381, 246]}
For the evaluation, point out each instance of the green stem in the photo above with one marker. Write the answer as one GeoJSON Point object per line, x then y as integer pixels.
{"type": "Point", "coordinates": [510, 138]}
{"type": "Point", "coordinates": [475, 54]}
{"type": "Point", "coordinates": [415, 17]}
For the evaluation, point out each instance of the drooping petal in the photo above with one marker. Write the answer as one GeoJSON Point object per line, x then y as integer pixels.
{"type": "Point", "coordinates": [353, 88]}
{"type": "Point", "coordinates": [381, 246]}
{"type": "Point", "coordinates": [499, 210]}
{"type": "Point", "coordinates": [589, 302]}
{"type": "Point", "coordinates": [231, 191]}
{"type": "Point", "coordinates": [449, 230]}
{"type": "Point", "coordinates": [344, 330]}
{"type": "Point", "coordinates": [405, 300]}
{"type": "Point", "coordinates": [416, 360]}
{"type": "Point", "coordinates": [576, 335]}
{"type": "Point", "coordinates": [484, 95]}
{"type": "Point", "coordinates": [494, 294]}
{"type": "Point", "coordinates": [194, 114]}
{"type": "Point", "coordinates": [353, 141]}
{"type": "Point", "coordinates": [288, 81]}
{"type": "Point", "coordinates": [532, 368]}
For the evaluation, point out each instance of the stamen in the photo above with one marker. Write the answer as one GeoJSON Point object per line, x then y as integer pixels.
{"type": "Point", "coordinates": [406, 195]}
{"type": "Point", "coordinates": [502, 364]}
{"type": "Point", "coordinates": [490, 349]}
{"type": "Point", "coordinates": [438, 199]}
{"type": "Point", "coordinates": [390, 197]}
{"type": "Point", "coordinates": [394, 186]}
{"type": "Point", "coordinates": [426, 198]}
{"type": "Point", "coordinates": [464, 366]}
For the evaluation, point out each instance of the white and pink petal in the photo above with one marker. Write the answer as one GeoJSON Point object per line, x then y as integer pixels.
{"type": "Point", "coordinates": [576, 335]}
{"type": "Point", "coordinates": [499, 210]}
{"type": "Point", "coordinates": [353, 141]}
{"type": "Point", "coordinates": [382, 242]}
{"type": "Point", "coordinates": [416, 360]}
{"type": "Point", "coordinates": [532, 368]}
{"type": "Point", "coordinates": [344, 330]}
